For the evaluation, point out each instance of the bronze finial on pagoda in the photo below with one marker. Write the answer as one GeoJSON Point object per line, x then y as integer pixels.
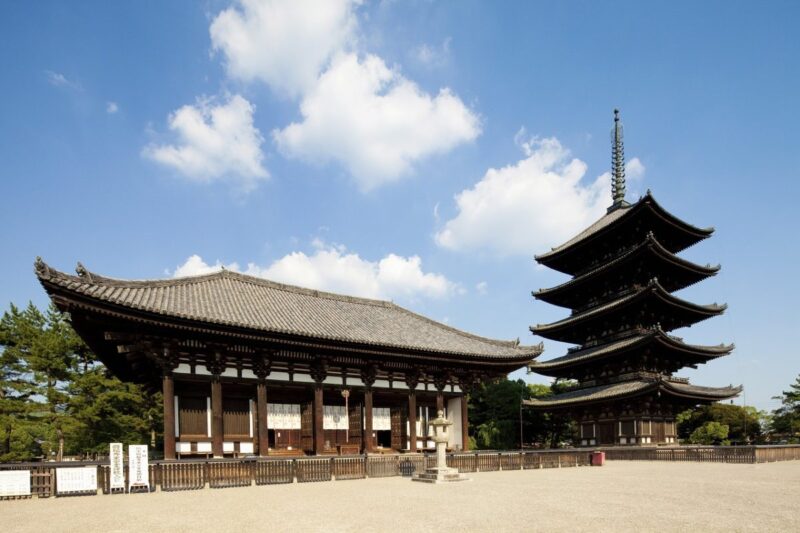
{"type": "Point", "coordinates": [617, 163]}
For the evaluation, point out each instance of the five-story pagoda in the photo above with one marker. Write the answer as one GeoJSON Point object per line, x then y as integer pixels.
{"type": "Point", "coordinates": [624, 270]}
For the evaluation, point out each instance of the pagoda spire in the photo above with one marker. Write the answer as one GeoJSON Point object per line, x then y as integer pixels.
{"type": "Point", "coordinates": [617, 163]}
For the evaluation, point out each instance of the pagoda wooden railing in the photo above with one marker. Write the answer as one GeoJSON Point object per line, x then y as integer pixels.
{"type": "Point", "coordinates": [194, 474]}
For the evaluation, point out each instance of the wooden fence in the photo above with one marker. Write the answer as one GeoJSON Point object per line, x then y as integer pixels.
{"type": "Point", "coordinates": [706, 454]}
{"type": "Point", "coordinates": [194, 474]}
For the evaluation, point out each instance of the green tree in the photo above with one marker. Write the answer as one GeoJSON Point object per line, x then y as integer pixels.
{"type": "Point", "coordinates": [710, 433]}
{"type": "Point", "coordinates": [785, 423]}
{"type": "Point", "coordinates": [103, 409]}
{"type": "Point", "coordinates": [56, 398]}
{"type": "Point", "coordinates": [745, 424]}
{"type": "Point", "coordinates": [495, 417]}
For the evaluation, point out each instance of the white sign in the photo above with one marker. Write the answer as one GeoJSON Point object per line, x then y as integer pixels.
{"type": "Point", "coordinates": [116, 472]}
{"type": "Point", "coordinates": [15, 483]}
{"type": "Point", "coordinates": [138, 474]}
{"type": "Point", "coordinates": [82, 479]}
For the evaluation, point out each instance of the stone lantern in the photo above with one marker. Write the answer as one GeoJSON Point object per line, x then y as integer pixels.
{"type": "Point", "coordinates": [441, 472]}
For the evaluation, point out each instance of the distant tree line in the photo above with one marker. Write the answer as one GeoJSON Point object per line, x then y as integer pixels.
{"type": "Point", "coordinates": [57, 399]}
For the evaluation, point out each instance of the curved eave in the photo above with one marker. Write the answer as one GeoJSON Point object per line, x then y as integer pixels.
{"type": "Point", "coordinates": [555, 295]}
{"type": "Point", "coordinates": [54, 283]}
{"type": "Point", "coordinates": [654, 289]}
{"type": "Point", "coordinates": [556, 367]}
{"type": "Point", "coordinates": [552, 257]}
{"type": "Point", "coordinates": [625, 390]}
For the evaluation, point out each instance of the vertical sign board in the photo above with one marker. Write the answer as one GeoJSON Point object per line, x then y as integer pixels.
{"type": "Point", "coordinates": [138, 475]}
{"type": "Point", "coordinates": [15, 483]}
{"type": "Point", "coordinates": [116, 471]}
{"type": "Point", "coordinates": [73, 480]}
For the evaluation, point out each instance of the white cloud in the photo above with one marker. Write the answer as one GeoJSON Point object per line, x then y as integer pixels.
{"type": "Point", "coordinates": [482, 287]}
{"type": "Point", "coordinates": [59, 80]}
{"type": "Point", "coordinates": [527, 207]}
{"type": "Point", "coordinates": [214, 142]}
{"type": "Point", "coordinates": [285, 44]}
{"type": "Point", "coordinates": [332, 268]}
{"type": "Point", "coordinates": [432, 55]}
{"type": "Point", "coordinates": [374, 121]}
{"type": "Point", "coordinates": [111, 108]}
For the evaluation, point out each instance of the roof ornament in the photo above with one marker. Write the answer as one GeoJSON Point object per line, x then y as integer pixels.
{"type": "Point", "coordinates": [617, 164]}
{"type": "Point", "coordinates": [41, 267]}
{"type": "Point", "coordinates": [83, 273]}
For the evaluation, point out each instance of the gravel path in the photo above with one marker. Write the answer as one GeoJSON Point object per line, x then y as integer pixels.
{"type": "Point", "coordinates": [641, 496]}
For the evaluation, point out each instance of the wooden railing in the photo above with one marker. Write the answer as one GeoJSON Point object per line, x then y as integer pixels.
{"type": "Point", "coordinates": [193, 474]}
{"type": "Point", "coordinates": [706, 454]}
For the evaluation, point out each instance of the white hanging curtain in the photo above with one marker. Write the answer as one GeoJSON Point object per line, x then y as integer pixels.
{"type": "Point", "coordinates": [334, 417]}
{"type": "Point", "coordinates": [283, 416]}
{"type": "Point", "coordinates": [381, 419]}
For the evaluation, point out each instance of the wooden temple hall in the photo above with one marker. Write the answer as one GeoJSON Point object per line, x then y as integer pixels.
{"type": "Point", "coordinates": [251, 367]}
{"type": "Point", "coordinates": [624, 269]}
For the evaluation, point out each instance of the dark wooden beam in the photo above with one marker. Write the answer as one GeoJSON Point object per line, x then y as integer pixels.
{"type": "Point", "coordinates": [168, 392]}
{"type": "Point", "coordinates": [216, 418]}
{"type": "Point", "coordinates": [261, 413]}
{"type": "Point", "coordinates": [412, 421]}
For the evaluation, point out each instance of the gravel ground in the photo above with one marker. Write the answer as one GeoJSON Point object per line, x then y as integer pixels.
{"type": "Point", "coordinates": [642, 496]}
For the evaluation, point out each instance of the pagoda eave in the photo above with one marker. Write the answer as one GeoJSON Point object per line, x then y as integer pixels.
{"type": "Point", "coordinates": [565, 258]}
{"type": "Point", "coordinates": [657, 261]}
{"type": "Point", "coordinates": [615, 392]}
{"type": "Point", "coordinates": [672, 313]}
{"type": "Point", "coordinates": [667, 348]}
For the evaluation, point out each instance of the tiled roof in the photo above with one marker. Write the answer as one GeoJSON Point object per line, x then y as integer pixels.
{"type": "Point", "coordinates": [634, 388]}
{"type": "Point", "coordinates": [590, 394]}
{"type": "Point", "coordinates": [618, 214]}
{"type": "Point", "coordinates": [650, 243]}
{"type": "Point", "coordinates": [653, 287]}
{"type": "Point", "coordinates": [232, 299]}
{"type": "Point", "coordinates": [595, 352]}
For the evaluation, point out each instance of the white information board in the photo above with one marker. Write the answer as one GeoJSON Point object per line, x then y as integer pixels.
{"type": "Point", "coordinates": [138, 474]}
{"type": "Point", "coordinates": [116, 471]}
{"type": "Point", "coordinates": [15, 483]}
{"type": "Point", "coordinates": [81, 479]}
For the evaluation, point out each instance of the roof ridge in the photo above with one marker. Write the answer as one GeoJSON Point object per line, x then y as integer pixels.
{"type": "Point", "coordinates": [87, 276]}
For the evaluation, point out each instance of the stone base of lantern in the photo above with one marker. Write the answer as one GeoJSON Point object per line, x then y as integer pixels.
{"type": "Point", "coordinates": [440, 475]}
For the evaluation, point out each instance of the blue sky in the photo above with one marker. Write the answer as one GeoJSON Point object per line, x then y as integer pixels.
{"type": "Point", "coordinates": [419, 151]}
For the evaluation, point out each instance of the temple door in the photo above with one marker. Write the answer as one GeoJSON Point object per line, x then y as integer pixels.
{"type": "Point", "coordinates": [307, 427]}
{"type": "Point", "coordinates": [605, 433]}
{"type": "Point", "coordinates": [399, 434]}
{"type": "Point", "coordinates": [355, 424]}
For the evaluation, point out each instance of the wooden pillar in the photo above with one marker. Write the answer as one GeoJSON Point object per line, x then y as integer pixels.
{"type": "Point", "coordinates": [216, 417]}
{"type": "Point", "coordinates": [168, 391]}
{"type": "Point", "coordinates": [412, 421]}
{"type": "Point", "coordinates": [464, 424]}
{"type": "Point", "coordinates": [319, 432]}
{"type": "Point", "coordinates": [439, 402]}
{"type": "Point", "coordinates": [368, 440]}
{"type": "Point", "coordinates": [261, 412]}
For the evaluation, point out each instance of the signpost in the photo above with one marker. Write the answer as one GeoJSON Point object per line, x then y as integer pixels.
{"type": "Point", "coordinates": [116, 470]}
{"type": "Point", "coordinates": [138, 472]}
{"type": "Point", "coordinates": [15, 483]}
{"type": "Point", "coordinates": [76, 480]}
